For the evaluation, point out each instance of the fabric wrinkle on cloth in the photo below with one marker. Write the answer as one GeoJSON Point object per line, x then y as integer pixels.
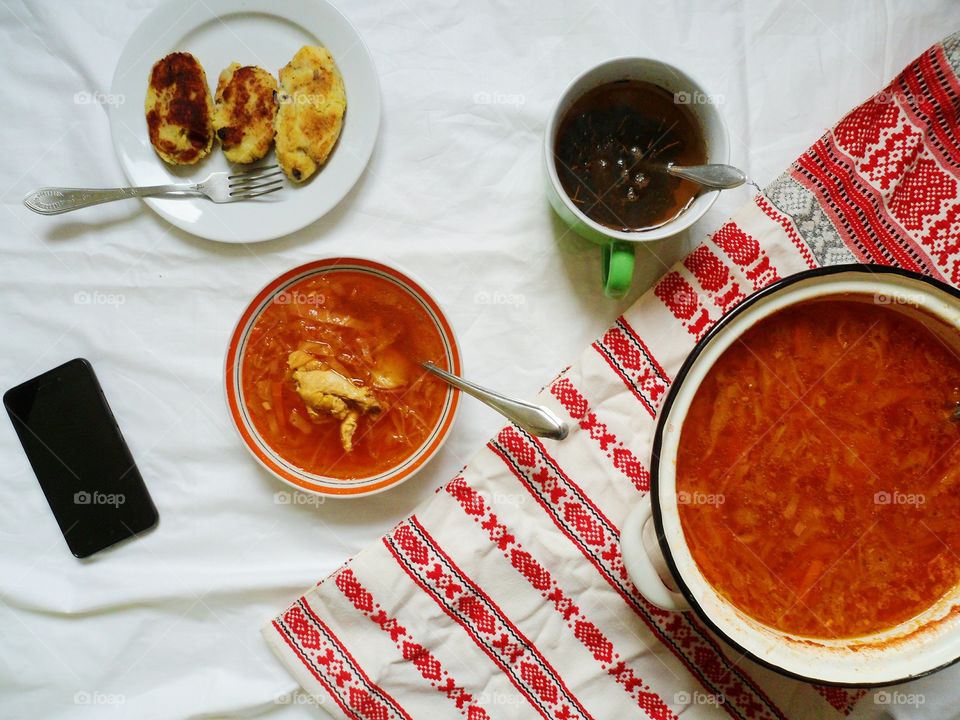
{"type": "Point", "coordinates": [505, 596]}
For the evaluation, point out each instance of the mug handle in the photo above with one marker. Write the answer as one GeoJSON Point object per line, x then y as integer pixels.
{"type": "Point", "coordinates": [639, 565]}
{"type": "Point", "coordinates": [618, 261]}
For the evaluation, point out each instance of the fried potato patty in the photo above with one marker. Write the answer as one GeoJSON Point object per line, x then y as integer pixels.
{"type": "Point", "coordinates": [179, 109]}
{"type": "Point", "coordinates": [312, 103]}
{"type": "Point", "coordinates": [245, 111]}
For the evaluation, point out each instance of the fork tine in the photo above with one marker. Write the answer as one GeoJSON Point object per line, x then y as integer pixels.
{"type": "Point", "coordinates": [249, 188]}
{"type": "Point", "coordinates": [254, 178]}
{"type": "Point", "coordinates": [258, 193]}
{"type": "Point", "coordinates": [249, 171]}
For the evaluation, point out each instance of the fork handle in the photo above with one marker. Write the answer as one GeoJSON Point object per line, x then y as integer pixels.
{"type": "Point", "coordinates": [56, 200]}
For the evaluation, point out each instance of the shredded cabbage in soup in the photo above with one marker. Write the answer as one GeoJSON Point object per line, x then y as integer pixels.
{"type": "Point", "coordinates": [819, 468]}
{"type": "Point", "coordinates": [353, 326]}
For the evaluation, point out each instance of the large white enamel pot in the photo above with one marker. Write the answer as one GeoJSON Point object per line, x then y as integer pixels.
{"type": "Point", "coordinates": [914, 648]}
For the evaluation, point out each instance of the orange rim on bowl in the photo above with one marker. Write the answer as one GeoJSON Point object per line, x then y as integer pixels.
{"type": "Point", "coordinates": [270, 458]}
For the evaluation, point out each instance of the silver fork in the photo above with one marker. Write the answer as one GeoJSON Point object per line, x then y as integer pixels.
{"type": "Point", "coordinates": [221, 187]}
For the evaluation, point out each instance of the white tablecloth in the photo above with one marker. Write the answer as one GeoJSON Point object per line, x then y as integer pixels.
{"type": "Point", "coordinates": [168, 625]}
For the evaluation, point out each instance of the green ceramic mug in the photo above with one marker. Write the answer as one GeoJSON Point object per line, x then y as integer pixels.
{"type": "Point", "coordinates": [617, 245]}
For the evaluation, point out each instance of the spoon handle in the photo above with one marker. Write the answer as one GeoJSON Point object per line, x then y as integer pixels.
{"type": "Point", "coordinates": [719, 176]}
{"type": "Point", "coordinates": [535, 419]}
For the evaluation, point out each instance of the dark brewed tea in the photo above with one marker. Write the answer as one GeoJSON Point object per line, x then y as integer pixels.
{"type": "Point", "coordinates": [610, 143]}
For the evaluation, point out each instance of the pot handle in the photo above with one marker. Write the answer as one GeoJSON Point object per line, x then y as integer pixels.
{"type": "Point", "coordinates": [639, 565]}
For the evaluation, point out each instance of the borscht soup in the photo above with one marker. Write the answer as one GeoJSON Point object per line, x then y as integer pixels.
{"type": "Point", "coordinates": [331, 375]}
{"type": "Point", "coordinates": [818, 471]}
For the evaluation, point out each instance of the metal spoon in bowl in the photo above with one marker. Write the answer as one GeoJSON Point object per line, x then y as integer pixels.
{"type": "Point", "coordinates": [715, 176]}
{"type": "Point", "coordinates": [535, 419]}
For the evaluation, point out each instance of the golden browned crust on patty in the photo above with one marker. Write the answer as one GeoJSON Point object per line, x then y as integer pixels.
{"type": "Point", "coordinates": [312, 103]}
{"type": "Point", "coordinates": [245, 111]}
{"type": "Point", "coordinates": [179, 109]}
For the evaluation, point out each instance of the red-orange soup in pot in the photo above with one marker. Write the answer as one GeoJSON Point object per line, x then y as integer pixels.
{"type": "Point", "coordinates": [818, 473]}
{"type": "Point", "coordinates": [331, 377]}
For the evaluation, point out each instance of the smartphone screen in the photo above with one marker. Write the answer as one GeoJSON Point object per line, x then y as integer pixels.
{"type": "Point", "coordinates": [79, 456]}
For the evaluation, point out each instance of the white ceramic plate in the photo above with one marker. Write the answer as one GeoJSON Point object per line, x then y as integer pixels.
{"type": "Point", "coordinates": [252, 32]}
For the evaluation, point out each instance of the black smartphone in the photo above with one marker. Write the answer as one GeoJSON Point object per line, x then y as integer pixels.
{"type": "Point", "coordinates": [80, 458]}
